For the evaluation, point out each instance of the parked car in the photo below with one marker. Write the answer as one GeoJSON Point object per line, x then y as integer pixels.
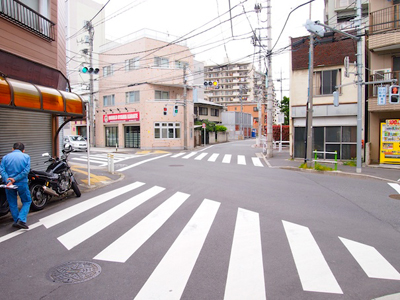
{"type": "Point", "coordinates": [75, 142]}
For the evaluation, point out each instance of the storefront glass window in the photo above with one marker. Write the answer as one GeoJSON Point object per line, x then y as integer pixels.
{"type": "Point", "coordinates": [111, 136]}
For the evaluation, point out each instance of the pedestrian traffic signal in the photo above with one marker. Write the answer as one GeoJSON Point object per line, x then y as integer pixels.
{"type": "Point", "coordinates": [394, 94]}
{"type": "Point", "coordinates": [165, 111]}
{"type": "Point", "coordinates": [175, 110]}
{"type": "Point", "coordinates": [90, 70]}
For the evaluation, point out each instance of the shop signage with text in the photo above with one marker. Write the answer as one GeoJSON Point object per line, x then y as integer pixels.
{"type": "Point", "coordinates": [122, 117]}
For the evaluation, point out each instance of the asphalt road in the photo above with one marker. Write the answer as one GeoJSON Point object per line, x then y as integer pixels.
{"type": "Point", "coordinates": [208, 226]}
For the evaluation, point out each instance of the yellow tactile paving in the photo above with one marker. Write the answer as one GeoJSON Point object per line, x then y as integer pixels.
{"type": "Point", "coordinates": [93, 178]}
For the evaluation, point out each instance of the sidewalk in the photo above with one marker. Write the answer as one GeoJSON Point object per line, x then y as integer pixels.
{"type": "Point", "coordinates": [283, 160]}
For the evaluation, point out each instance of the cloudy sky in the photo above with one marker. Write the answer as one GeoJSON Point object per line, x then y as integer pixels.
{"type": "Point", "coordinates": [213, 32]}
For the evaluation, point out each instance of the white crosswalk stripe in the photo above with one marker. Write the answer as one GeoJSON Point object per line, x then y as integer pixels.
{"type": "Point", "coordinates": [85, 231]}
{"type": "Point", "coordinates": [371, 261]}
{"type": "Point", "coordinates": [169, 278]}
{"type": "Point", "coordinates": [126, 245]}
{"type": "Point", "coordinates": [246, 272]}
{"type": "Point", "coordinates": [214, 157]}
{"type": "Point", "coordinates": [314, 272]}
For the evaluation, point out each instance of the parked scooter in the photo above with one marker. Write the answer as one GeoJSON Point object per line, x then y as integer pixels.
{"type": "Point", "coordinates": [56, 181]}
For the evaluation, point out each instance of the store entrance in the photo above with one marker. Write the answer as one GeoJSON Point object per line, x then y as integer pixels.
{"type": "Point", "coordinates": [132, 136]}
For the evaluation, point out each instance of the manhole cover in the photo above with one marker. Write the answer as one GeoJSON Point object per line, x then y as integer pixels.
{"type": "Point", "coordinates": [74, 272]}
{"type": "Point", "coordinates": [395, 196]}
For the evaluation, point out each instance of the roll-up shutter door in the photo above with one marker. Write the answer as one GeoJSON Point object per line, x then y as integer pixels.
{"type": "Point", "coordinates": [33, 129]}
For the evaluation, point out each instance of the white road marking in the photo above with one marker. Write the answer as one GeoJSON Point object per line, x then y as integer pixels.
{"type": "Point", "coordinates": [396, 186]}
{"type": "Point", "coordinates": [127, 244]}
{"type": "Point", "coordinates": [189, 155]}
{"type": "Point", "coordinates": [142, 162]}
{"type": "Point", "coordinates": [213, 157]}
{"type": "Point", "coordinates": [257, 162]}
{"type": "Point", "coordinates": [246, 272]}
{"type": "Point", "coordinates": [18, 232]}
{"type": "Point", "coordinates": [95, 225]}
{"type": "Point", "coordinates": [178, 154]}
{"type": "Point", "coordinates": [371, 261]}
{"type": "Point", "coordinates": [201, 156]}
{"type": "Point", "coordinates": [227, 158]}
{"type": "Point", "coordinates": [314, 272]}
{"type": "Point", "coordinates": [72, 211]}
{"type": "Point", "coordinates": [170, 277]}
{"type": "Point", "coordinates": [241, 160]}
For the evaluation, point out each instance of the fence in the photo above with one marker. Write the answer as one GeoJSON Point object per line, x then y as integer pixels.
{"type": "Point", "coordinates": [325, 160]}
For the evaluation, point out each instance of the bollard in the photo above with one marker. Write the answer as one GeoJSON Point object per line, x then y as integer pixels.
{"type": "Point", "coordinates": [335, 160]}
{"type": "Point", "coordinates": [110, 160]}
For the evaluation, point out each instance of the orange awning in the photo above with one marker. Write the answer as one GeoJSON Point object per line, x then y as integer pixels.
{"type": "Point", "coordinates": [24, 95]}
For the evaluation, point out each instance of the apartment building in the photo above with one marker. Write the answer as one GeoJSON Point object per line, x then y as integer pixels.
{"type": "Point", "coordinates": [233, 80]}
{"type": "Point", "coordinates": [144, 101]}
{"type": "Point", "coordinates": [384, 63]}
{"type": "Point", "coordinates": [33, 82]}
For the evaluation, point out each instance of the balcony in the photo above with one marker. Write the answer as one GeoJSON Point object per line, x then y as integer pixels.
{"type": "Point", "coordinates": [24, 17]}
{"type": "Point", "coordinates": [384, 33]}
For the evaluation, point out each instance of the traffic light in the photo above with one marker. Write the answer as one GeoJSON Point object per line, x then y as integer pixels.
{"type": "Point", "coordinates": [335, 98]}
{"type": "Point", "coordinates": [165, 111]}
{"type": "Point", "coordinates": [175, 110]}
{"type": "Point", "coordinates": [211, 83]}
{"type": "Point", "coordinates": [90, 70]}
{"type": "Point", "coordinates": [394, 94]}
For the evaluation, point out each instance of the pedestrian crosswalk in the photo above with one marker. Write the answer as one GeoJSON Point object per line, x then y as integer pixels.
{"type": "Point", "coordinates": [101, 159]}
{"type": "Point", "coordinates": [245, 271]}
{"type": "Point", "coordinates": [217, 157]}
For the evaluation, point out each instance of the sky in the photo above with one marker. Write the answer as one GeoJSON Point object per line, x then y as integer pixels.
{"type": "Point", "coordinates": [212, 34]}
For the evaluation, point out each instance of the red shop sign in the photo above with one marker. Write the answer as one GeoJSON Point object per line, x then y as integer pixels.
{"type": "Point", "coordinates": [122, 117]}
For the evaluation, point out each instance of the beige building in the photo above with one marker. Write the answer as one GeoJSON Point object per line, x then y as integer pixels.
{"type": "Point", "coordinates": [33, 80]}
{"type": "Point", "coordinates": [143, 96]}
{"type": "Point", "coordinates": [384, 63]}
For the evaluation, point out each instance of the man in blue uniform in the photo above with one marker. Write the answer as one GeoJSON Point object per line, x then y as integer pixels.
{"type": "Point", "coordinates": [14, 168]}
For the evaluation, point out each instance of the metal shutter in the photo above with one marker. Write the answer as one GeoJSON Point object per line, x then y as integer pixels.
{"type": "Point", "coordinates": [33, 129]}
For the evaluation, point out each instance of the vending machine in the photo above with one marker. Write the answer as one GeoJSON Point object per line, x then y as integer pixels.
{"type": "Point", "coordinates": [390, 142]}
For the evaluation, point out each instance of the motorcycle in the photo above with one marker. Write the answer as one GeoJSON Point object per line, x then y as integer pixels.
{"type": "Point", "coordinates": [4, 209]}
{"type": "Point", "coordinates": [56, 181]}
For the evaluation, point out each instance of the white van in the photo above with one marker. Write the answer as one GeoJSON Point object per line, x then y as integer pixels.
{"type": "Point", "coordinates": [75, 142]}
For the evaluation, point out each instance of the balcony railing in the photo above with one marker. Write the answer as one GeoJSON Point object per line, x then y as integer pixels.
{"type": "Point", "coordinates": [23, 16]}
{"type": "Point", "coordinates": [373, 89]}
{"type": "Point", "coordinates": [385, 19]}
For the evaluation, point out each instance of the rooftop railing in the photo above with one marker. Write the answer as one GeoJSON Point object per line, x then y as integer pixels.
{"type": "Point", "coordinates": [25, 17]}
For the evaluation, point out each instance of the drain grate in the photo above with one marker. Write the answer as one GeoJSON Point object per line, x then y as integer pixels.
{"type": "Point", "coordinates": [395, 196]}
{"type": "Point", "coordinates": [74, 272]}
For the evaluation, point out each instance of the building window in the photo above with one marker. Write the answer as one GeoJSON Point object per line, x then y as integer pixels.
{"type": "Point", "coordinates": [109, 100]}
{"type": "Point", "coordinates": [132, 97]}
{"type": "Point", "coordinates": [180, 64]}
{"type": "Point", "coordinates": [132, 64]}
{"type": "Point", "coordinates": [325, 81]}
{"type": "Point", "coordinates": [167, 130]}
{"type": "Point", "coordinates": [161, 95]}
{"type": "Point", "coordinates": [203, 111]}
{"type": "Point", "coordinates": [214, 112]}
{"type": "Point", "coordinates": [161, 62]}
{"type": "Point", "coordinates": [108, 70]}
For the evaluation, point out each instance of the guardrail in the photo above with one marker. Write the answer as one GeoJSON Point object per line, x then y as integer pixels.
{"type": "Point", "coordinates": [280, 143]}
{"type": "Point", "coordinates": [324, 160]}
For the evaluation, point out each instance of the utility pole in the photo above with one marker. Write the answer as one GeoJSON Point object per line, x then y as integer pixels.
{"type": "Point", "coordinates": [260, 94]}
{"type": "Point", "coordinates": [359, 86]}
{"type": "Point", "coordinates": [90, 29]}
{"type": "Point", "coordinates": [309, 129]}
{"type": "Point", "coordinates": [269, 87]}
{"type": "Point", "coordinates": [184, 109]}
{"type": "Point", "coordinates": [241, 111]}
